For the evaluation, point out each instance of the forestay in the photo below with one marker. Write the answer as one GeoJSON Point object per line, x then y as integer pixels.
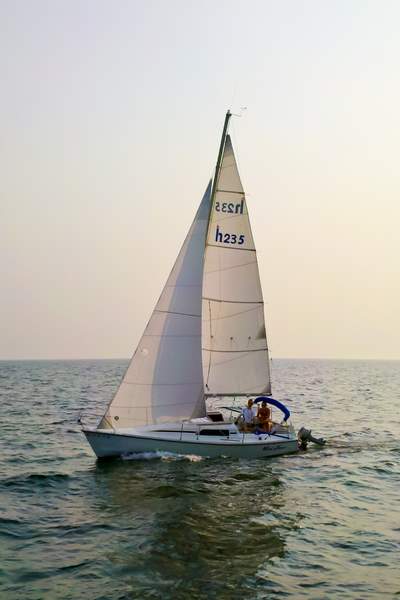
{"type": "Point", "coordinates": [234, 344]}
{"type": "Point", "coordinates": [164, 381]}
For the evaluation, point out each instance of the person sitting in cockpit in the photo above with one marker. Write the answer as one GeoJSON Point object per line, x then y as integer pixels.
{"type": "Point", "coordinates": [264, 417]}
{"type": "Point", "coordinates": [248, 416]}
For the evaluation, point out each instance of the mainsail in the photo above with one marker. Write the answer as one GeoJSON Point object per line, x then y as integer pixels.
{"type": "Point", "coordinates": [234, 344]}
{"type": "Point", "coordinates": [164, 380]}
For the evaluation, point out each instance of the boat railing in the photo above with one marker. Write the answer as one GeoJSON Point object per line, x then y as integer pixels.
{"type": "Point", "coordinates": [93, 418]}
{"type": "Point", "coordinates": [180, 438]}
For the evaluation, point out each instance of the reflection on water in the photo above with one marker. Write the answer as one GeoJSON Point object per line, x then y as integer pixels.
{"type": "Point", "coordinates": [206, 528]}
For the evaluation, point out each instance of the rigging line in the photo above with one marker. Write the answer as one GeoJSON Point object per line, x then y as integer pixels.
{"type": "Point", "coordinates": [235, 314]}
{"type": "Point", "coordinates": [246, 350]}
{"type": "Point", "coordinates": [232, 359]}
{"type": "Point", "coordinates": [171, 312]}
{"type": "Point", "coordinates": [233, 301]}
{"type": "Point", "coordinates": [246, 264]}
{"type": "Point", "coordinates": [231, 192]}
{"type": "Point", "coordinates": [232, 248]}
{"type": "Point", "coordinates": [229, 218]}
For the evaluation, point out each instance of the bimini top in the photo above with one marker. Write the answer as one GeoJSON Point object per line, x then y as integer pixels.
{"type": "Point", "coordinates": [276, 403]}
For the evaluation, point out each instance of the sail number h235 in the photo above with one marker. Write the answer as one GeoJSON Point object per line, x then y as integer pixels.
{"type": "Point", "coordinates": [229, 238]}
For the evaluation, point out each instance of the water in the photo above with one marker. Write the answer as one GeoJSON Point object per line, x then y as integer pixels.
{"type": "Point", "coordinates": [323, 525]}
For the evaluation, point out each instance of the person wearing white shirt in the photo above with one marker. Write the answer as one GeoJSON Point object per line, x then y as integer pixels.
{"type": "Point", "coordinates": [248, 415]}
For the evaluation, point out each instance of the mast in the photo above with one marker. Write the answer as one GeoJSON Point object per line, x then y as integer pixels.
{"type": "Point", "coordinates": [220, 153]}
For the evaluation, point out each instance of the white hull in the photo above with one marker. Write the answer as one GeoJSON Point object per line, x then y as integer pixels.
{"type": "Point", "coordinates": [109, 443]}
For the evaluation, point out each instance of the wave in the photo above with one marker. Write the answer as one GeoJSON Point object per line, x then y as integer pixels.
{"type": "Point", "coordinates": [158, 455]}
{"type": "Point", "coordinates": [35, 479]}
{"type": "Point", "coordinates": [9, 521]}
{"type": "Point", "coordinates": [15, 528]}
{"type": "Point", "coordinates": [170, 491]}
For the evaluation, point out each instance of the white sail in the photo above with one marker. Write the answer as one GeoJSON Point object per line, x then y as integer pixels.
{"type": "Point", "coordinates": [164, 381]}
{"type": "Point", "coordinates": [234, 344]}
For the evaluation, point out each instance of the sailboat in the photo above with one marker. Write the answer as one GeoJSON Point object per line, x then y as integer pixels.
{"type": "Point", "coordinates": [205, 344]}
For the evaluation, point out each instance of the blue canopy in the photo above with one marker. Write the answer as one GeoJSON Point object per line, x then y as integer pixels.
{"type": "Point", "coordinates": [276, 403]}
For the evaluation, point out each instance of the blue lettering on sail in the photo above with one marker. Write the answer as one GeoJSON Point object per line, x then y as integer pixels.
{"type": "Point", "coordinates": [228, 238]}
{"type": "Point", "coordinates": [230, 207]}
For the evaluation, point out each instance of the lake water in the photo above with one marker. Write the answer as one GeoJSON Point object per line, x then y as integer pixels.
{"type": "Point", "coordinates": [323, 524]}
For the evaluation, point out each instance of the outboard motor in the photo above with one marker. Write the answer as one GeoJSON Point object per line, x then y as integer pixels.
{"type": "Point", "coordinates": [304, 436]}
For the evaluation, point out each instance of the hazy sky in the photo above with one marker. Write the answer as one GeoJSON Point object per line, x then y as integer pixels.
{"type": "Point", "coordinates": [111, 115]}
